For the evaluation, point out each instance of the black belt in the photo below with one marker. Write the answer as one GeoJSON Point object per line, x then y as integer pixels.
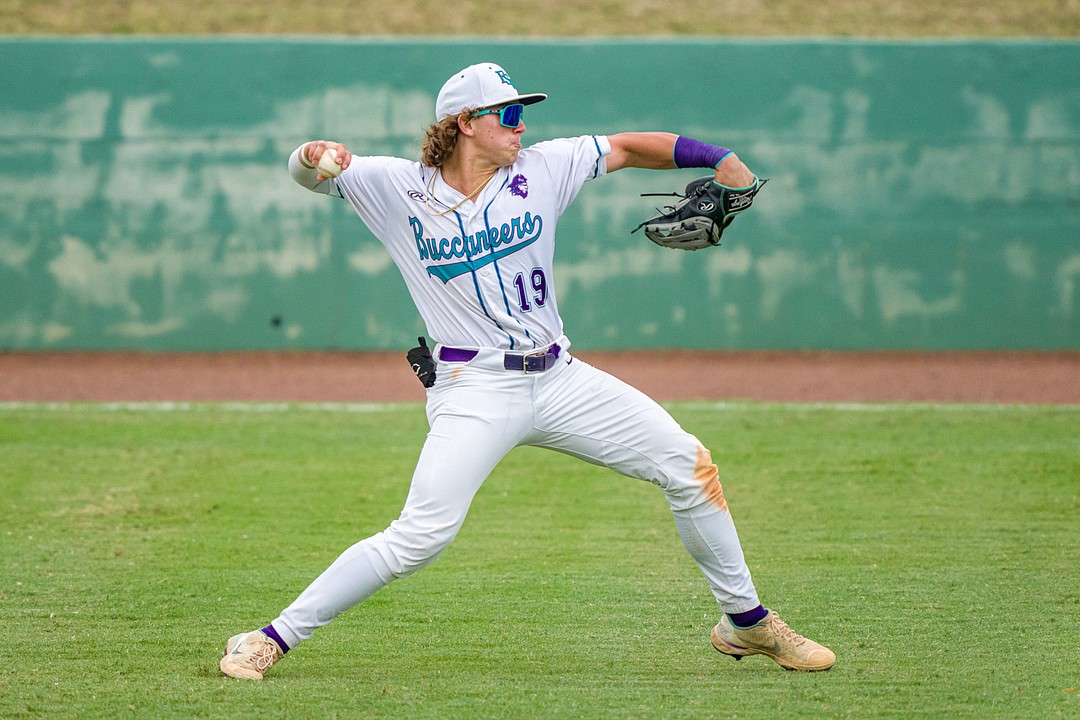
{"type": "Point", "coordinates": [534, 362]}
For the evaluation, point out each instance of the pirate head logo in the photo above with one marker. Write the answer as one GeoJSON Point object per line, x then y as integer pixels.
{"type": "Point", "coordinates": [519, 186]}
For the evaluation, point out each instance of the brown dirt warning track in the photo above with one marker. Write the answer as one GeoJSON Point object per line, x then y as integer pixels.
{"type": "Point", "coordinates": [675, 375]}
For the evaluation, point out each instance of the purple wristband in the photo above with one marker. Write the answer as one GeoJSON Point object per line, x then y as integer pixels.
{"type": "Point", "coordinates": [691, 153]}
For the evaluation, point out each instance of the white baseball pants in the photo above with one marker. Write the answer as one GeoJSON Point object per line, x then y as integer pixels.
{"type": "Point", "coordinates": [478, 412]}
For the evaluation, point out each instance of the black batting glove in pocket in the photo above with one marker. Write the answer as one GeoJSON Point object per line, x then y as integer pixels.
{"type": "Point", "coordinates": [422, 363]}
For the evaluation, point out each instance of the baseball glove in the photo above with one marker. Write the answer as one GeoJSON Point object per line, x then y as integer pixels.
{"type": "Point", "coordinates": [701, 215]}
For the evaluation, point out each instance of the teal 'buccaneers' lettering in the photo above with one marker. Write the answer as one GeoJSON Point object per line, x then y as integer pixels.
{"type": "Point", "coordinates": [471, 252]}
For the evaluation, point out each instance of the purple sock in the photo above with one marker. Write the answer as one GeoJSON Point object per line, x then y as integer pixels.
{"type": "Point", "coordinates": [749, 618]}
{"type": "Point", "coordinates": [273, 635]}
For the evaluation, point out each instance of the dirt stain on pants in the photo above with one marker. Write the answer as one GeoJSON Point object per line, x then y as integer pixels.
{"type": "Point", "coordinates": [708, 476]}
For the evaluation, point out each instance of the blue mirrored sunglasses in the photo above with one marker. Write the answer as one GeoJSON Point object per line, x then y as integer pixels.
{"type": "Point", "coordinates": [509, 116]}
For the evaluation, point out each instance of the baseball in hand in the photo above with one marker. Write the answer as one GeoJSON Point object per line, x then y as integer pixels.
{"type": "Point", "coordinates": [328, 165]}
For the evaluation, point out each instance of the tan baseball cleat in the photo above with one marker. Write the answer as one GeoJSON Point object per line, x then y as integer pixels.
{"type": "Point", "coordinates": [772, 637]}
{"type": "Point", "coordinates": [249, 655]}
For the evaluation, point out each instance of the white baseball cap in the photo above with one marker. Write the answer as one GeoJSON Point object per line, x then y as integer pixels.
{"type": "Point", "coordinates": [480, 86]}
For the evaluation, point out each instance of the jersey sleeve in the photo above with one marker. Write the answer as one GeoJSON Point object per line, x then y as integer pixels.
{"type": "Point", "coordinates": [571, 162]}
{"type": "Point", "coordinates": [368, 184]}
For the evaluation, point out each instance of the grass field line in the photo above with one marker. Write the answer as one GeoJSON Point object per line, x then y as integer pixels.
{"type": "Point", "coordinates": [362, 407]}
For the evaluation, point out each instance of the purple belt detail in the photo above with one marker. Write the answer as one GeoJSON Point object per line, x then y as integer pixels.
{"type": "Point", "coordinates": [449, 354]}
{"type": "Point", "coordinates": [533, 362]}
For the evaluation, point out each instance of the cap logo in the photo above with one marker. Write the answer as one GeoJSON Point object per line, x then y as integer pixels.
{"type": "Point", "coordinates": [505, 78]}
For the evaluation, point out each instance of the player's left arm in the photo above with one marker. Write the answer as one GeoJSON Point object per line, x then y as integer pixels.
{"type": "Point", "coordinates": [656, 151]}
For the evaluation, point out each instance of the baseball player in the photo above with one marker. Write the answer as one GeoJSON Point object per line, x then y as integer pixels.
{"type": "Point", "coordinates": [472, 228]}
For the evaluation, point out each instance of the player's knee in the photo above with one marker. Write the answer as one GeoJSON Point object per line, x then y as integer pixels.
{"type": "Point", "coordinates": [414, 547]}
{"type": "Point", "coordinates": [695, 481]}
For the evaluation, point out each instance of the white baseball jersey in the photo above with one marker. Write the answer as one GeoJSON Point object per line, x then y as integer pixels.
{"type": "Point", "coordinates": [480, 274]}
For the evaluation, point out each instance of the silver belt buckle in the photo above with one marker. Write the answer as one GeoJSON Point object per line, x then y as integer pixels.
{"type": "Point", "coordinates": [537, 354]}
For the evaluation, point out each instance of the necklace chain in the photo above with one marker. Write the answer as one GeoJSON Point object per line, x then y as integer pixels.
{"type": "Point", "coordinates": [431, 190]}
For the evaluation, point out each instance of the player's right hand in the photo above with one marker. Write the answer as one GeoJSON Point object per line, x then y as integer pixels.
{"type": "Point", "coordinates": [314, 151]}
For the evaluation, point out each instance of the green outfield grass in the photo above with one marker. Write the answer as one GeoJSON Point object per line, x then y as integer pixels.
{"type": "Point", "coordinates": [934, 548]}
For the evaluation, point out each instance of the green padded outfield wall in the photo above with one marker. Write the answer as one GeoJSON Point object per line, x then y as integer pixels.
{"type": "Point", "coordinates": [923, 195]}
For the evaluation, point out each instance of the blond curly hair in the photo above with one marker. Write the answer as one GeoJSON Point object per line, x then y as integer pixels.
{"type": "Point", "coordinates": [440, 140]}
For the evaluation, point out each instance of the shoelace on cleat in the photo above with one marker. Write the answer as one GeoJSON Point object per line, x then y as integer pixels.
{"type": "Point", "coordinates": [781, 628]}
{"type": "Point", "coordinates": [264, 656]}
